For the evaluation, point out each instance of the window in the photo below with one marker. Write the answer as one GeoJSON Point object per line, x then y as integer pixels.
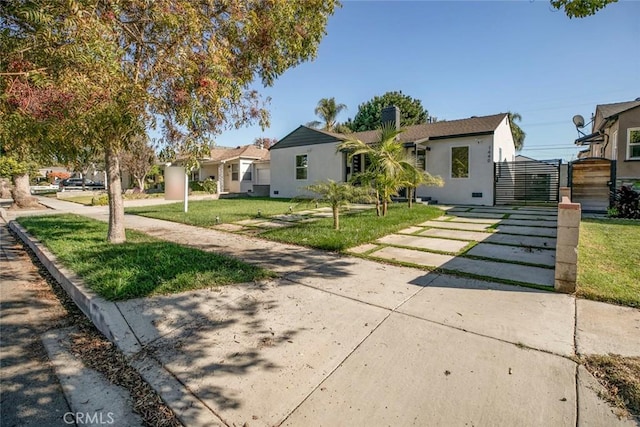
{"type": "Point", "coordinates": [246, 176]}
{"type": "Point", "coordinates": [302, 166]}
{"type": "Point", "coordinates": [459, 162]}
{"type": "Point", "coordinates": [235, 169]}
{"type": "Point", "coordinates": [633, 150]}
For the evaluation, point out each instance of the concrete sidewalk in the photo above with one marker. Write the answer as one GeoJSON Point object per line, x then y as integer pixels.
{"type": "Point", "coordinates": [338, 340]}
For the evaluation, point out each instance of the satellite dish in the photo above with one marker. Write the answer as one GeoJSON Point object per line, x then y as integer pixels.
{"type": "Point", "coordinates": [578, 120]}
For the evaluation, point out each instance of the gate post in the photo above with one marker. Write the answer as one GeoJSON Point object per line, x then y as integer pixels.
{"type": "Point", "coordinates": [566, 272]}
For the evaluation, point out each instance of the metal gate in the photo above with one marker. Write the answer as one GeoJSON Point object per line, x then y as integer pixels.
{"type": "Point", "coordinates": [592, 183]}
{"type": "Point", "coordinates": [526, 182]}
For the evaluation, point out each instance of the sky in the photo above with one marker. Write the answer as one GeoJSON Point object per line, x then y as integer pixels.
{"type": "Point", "coordinates": [463, 59]}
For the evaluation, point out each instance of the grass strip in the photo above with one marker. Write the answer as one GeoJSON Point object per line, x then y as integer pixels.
{"type": "Point", "coordinates": [141, 266]}
{"type": "Point", "coordinates": [608, 256]}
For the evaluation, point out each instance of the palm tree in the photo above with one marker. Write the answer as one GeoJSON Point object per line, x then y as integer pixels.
{"type": "Point", "coordinates": [414, 177]}
{"type": "Point", "coordinates": [338, 195]}
{"type": "Point", "coordinates": [328, 111]}
{"type": "Point", "coordinates": [389, 166]}
{"type": "Point", "coordinates": [517, 133]}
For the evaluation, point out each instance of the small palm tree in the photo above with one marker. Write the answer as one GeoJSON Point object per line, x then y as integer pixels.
{"type": "Point", "coordinates": [517, 132]}
{"type": "Point", "coordinates": [338, 195]}
{"type": "Point", "coordinates": [414, 177]}
{"type": "Point", "coordinates": [328, 111]}
{"type": "Point", "coordinates": [389, 165]}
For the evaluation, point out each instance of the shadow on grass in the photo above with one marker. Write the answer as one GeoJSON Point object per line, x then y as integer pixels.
{"type": "Point", "coordinates": [142, 266]}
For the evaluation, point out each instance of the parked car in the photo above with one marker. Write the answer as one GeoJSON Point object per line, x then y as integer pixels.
{"type": "Point", "coordinates": [76, 184]}
{"type": "Point", "coordinates": [43, 187]}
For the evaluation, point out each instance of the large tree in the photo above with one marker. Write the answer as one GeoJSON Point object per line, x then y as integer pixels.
{"type": "Point", "coordinates": [368, 116]}
{"type": "Point", "coordinates": [516, 131]}
{"type": "Point", "coordinates": [581, 8]}
{"type": "Point", "coordinates": [328, 110]}
{"type": "Point", "coordinates": [138, 160]}
{"type": "Point", "coordinates": [184, 67]}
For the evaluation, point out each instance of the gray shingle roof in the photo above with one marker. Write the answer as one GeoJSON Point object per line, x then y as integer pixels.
{"type": "Point", "coordinates": [439, 130]}
{"type": "Point", "coordinates": [609, 110]}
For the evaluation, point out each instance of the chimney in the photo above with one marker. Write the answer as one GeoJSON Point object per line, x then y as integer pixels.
{"type": "Point", "coordinates": [390, 115]}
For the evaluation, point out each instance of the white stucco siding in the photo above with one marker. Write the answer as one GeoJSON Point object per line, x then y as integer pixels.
{"type": "Point", "coordinates": [208, 171]}
{"type": "Point", "coordinates": [503, 139]}
{"type": "Point", "coordinates": [460, 190]}
{"type": "Point", "coordinates": [322, 163]}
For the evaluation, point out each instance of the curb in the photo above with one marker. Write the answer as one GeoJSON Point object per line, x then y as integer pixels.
{"type": "Point", "coordinates": [104, 314]}
{"type": "Point", "coordinates": [93, 400]}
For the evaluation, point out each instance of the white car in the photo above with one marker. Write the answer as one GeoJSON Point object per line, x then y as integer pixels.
{"type": "Point", "coordinates": [39, 189]}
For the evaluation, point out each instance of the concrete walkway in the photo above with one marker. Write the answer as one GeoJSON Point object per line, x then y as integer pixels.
{"type": "Point", "coordinates": [339, 340]}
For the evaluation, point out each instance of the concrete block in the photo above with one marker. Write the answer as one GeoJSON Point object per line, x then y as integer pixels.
{"type": "Point", "coordinates": [569, 217]}
{"type": "Point", "coordinates": [568, 236]}
{"type": "Point", "coordinates": [564, 286]}
{"type": "Point", "coordinates": [567, 254]}
{"type": "Point", "coordinates": [568, 272]}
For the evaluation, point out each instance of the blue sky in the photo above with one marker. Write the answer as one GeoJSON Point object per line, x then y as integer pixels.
{"type": "Point", "coordinates": [466, 58]}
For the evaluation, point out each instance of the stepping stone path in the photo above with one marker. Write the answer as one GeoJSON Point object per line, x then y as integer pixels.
{"type": "Point", "coordinates": [255, 226]}
{"type": "Point", "coordinates": [512, 245]}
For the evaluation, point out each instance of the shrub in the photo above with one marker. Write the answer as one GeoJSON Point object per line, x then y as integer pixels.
{"type": "Point", "coordinates": [101, 200]}
{"type": "Point", "coordinates": [195, 186]}
{"type": "Point", "coordinates": [626, 203]}
{"type": "Point", "coordinates": [210, 186]}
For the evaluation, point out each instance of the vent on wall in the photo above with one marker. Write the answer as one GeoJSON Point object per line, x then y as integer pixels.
{"type": "Point", "coordinates": [476, 194]}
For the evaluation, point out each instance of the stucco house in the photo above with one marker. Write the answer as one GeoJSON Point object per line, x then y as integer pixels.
{"type": "Point", "coordinates": [244, 169]}
{"type": "Point", "coordinates": [615, 135]}
{"type": "Point", "coordinates": [462, 152]}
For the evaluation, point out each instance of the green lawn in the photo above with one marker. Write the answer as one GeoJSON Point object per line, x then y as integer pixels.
{"type": "Point", "coordinates": [355, 229]}
{"type": "Point", "coordinates": [203, 213]}
{"type": "Point", "coordinates": [608, 261]}
{"type": "Point", "coordinates": [142, 266]}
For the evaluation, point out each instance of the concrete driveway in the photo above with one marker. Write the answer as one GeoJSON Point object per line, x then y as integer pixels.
{"type": "Point", "coordinates": [509, 244]}
{"type": "Point", "coordinates": [348, 341]}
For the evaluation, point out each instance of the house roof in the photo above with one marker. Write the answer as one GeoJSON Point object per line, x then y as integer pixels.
{"type": "Point", "coordinates": [484, 125]}
{"type": "Point", "coordinates": [220, 154]}
{"type": "Point", "coordinates": [610, 110]}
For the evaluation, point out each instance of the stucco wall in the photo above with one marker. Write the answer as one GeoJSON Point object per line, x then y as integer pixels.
{"type": "Point", "coordinates": [459, 190]}
{"type": "Point", "coordinates": [628, 170]}
{"type": "Point", "coordinates": [502, 138]}
{"type": "Point", "coordinates": [323, 163]}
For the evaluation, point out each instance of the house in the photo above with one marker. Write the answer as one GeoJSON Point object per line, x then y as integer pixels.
{"type": "Point", "coordinates": [462, 152]}
{"type": "Point", "coordinates": [244, 169]}
{"type": "Point", "coordinates": [615, 135]}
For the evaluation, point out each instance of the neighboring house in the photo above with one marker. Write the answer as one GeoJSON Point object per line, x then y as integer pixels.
{"type": "Point", "coordinates": [243, 169]}
{"type": "Point", "coordinates": [308, 155]}
{"type": "Point", "coordinates": [615, 135]}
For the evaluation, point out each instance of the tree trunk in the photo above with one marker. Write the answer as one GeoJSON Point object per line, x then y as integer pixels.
{"type": "Point", "coordinates": [21, 193]}
{"type": "Point", "coordinates": [410, 197]}
{"type": "Point", "coordinates": [116, 204]}
{"type": "Point", "coordinates": [336, 218]}
{"type": "Point", "coordinates": [5, 189]}
{"type": "Point", "coordinates": [140, 183]}
{"type": "Point", "coordinates": [378, 213]}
